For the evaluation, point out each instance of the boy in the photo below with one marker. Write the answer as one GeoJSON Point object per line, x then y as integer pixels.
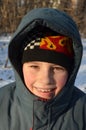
{"type": "Point", "coordinates": [45, 53]}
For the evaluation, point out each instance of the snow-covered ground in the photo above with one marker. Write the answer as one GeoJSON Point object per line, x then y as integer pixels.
{"type": "Point", "coordinates": [7, 75]}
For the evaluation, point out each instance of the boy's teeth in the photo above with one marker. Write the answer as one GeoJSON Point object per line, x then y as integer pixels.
{"type": "Point", "coordinates": [43, 90]}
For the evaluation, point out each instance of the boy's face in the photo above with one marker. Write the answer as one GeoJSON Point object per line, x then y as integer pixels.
{"type": "Point", "coordinates": [44, 79]}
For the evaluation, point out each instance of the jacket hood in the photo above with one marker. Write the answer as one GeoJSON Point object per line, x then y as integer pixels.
{"type": "Point", "coordinates": [55, 20]}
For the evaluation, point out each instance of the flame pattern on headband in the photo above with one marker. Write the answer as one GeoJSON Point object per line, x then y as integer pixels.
{"type": "Point", "coordinates": [60, 44]}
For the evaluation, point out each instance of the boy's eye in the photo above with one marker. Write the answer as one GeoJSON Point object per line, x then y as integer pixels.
{"type": "Point", "coordinates": [34, 66]}
{"type": "Point", "coordinates": [58, 69]}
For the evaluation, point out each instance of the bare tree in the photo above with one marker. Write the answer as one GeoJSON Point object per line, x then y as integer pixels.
{"type": "Point", "coordinates": [12, 11]}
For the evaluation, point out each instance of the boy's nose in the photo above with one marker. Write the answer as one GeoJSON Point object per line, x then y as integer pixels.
{"type": "Point", "coordinates": [46, 76]}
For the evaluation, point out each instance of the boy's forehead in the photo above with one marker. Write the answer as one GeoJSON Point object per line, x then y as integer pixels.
{"type": "Point", "coordinates": [42, 63]}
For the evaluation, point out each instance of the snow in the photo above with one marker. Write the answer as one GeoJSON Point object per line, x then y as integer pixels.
{"type": "Point", "coordinates": [81, 77]}
{"type": "Point", "coordinates": [7, 74]}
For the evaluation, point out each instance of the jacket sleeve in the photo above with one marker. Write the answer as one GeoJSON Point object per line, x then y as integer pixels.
{"type": "Point", "coordinates": [84, 114]}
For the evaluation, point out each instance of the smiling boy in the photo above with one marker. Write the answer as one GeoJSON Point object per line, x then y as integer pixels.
{"type": "Point", "coordinates": [44, 79]}
{"type": "Point", "coordinates": [45, 52]}
{"type": "Point", "coordinates": [45, 74]}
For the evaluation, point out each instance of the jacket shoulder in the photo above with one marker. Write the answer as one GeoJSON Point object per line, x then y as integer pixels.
{"type": "Point", "coordinates": [6, 91]}
{"type": "Point", "coordinates": [79, 97]}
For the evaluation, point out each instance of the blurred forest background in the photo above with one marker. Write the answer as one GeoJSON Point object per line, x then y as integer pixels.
{"type": "Point", "coordinates": [12, 11]}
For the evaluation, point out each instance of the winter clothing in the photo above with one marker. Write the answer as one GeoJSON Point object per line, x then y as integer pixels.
{"type": "Point", "coordinates": [20, 109]}
{"type": "Point", "coordinates": [50, 49]}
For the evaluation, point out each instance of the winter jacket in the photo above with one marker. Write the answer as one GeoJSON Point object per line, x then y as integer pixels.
{"type": "Point", "coordinates": [20, 109]}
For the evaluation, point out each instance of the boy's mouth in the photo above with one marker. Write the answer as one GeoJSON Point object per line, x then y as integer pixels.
{"type": "Point", "coordinates": [45, 90]}
{"type": "Point", "coordinates": [45, 93]}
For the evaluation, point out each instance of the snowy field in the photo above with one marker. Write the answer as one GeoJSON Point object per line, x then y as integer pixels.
{"type": "Point", "coordinates": [7, 75]}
